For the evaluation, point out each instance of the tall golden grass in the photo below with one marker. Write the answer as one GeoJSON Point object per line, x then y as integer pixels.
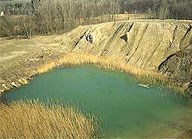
{"type": "Point", "coordinates": [31, 120]}
{"type": "Point", "coordinates": [110, 63]}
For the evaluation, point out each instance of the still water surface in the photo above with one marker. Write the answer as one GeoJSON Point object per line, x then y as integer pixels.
{"type": "Point", "coordinates": [123, 108]}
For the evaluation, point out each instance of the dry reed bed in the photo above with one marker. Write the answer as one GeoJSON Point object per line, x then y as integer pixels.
{"type": "Point", "coordinates": [110, 63]}
{"type": "Point", "coordinates": [35, 120]}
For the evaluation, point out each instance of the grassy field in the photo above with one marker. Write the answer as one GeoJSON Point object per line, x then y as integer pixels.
{"type": "Point", "coordinates": [11, 49]}
{"type": "Point", "coordinates": [15, 52]}
{"type": "Point", "coordinates": [35, 120]}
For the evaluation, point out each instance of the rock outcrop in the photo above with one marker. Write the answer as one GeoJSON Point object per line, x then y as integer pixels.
{"type": "Point", "coordinates": [179, 68]}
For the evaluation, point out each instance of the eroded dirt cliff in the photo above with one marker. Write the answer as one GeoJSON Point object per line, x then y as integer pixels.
{"type": "Point", "coordinates": [163, 46]}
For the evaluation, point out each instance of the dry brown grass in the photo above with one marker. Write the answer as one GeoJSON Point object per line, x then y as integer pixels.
{"type": "Point", "coordinates": [35, 120]}
{"type": "Point", "coordinates": [110, 63]}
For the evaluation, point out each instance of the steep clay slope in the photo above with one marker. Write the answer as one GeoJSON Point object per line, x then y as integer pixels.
{"type": "Point", "coordinates": [147, 44]}
{"type": "Point", "coordinates": [144, 44]}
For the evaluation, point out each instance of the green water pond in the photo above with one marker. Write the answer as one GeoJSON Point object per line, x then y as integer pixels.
{"type": "Point", "coordinates": [123, 108]}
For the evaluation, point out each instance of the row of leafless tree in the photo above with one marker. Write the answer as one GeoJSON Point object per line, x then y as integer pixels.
{"type": "Point", "coordinates": [163, 9]}
{"type": "Point", "coordinates": [58, 16]}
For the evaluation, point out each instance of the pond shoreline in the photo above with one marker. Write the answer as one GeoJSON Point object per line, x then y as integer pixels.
{"type": "Point", "coordinates": [132, 46]}
{"type": "Point", "coordinates": [22, 74]}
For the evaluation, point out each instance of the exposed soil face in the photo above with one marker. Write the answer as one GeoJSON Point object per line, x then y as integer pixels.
{"type": "Point", "coordinates": [142, 43]}
{"type": "Point", "coordinates": [162, 46]}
